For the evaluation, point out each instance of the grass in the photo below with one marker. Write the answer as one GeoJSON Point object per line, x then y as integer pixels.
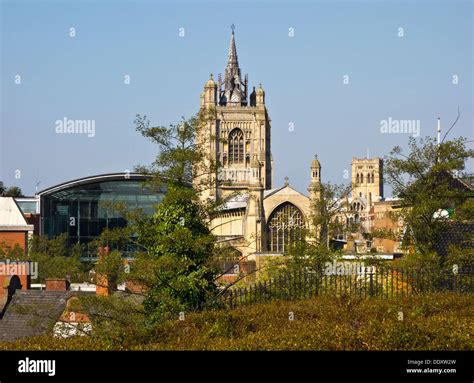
{"type": "Point", "coordinates": [430, 322]}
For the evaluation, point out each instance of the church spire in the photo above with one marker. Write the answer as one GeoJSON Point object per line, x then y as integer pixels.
{"type": "Point", "coordinates": [235, 88]}
{"type": "Point", "coordinates": [233, 61]}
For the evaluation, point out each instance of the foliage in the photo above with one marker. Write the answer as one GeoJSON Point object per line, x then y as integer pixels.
{"type": "Point", "coordinates": [179, 249]}
{"type": "Point", "coordinates": [327, 208]}
{"type": "Point", "coordinates": [430, 322]}
{"type": "Point", "coordinates": [12, 191]}
{"type": "Point", "coordinates": [55, 259]}
{"type": "Point", "coordinates": [423, 179]}
{"type": "Point", "coordinates": [173, 269]}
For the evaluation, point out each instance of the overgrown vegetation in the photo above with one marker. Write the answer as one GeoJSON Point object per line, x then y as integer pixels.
{"type": "Point", "coordinates": [55, 259]}
{"type": "Point", "coordinates": [430, 322]}
{"type": "Point", "coordinates": [424, 179]}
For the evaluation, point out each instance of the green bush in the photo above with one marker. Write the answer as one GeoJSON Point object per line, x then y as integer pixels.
{"type": "Point", "coordinates": [430, 322]}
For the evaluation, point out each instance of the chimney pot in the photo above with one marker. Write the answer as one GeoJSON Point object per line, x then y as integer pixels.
{"type": "Point", "coordinates": [57, 284]}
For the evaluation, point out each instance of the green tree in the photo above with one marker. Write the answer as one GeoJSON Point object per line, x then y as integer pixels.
{"type": "Point", "coordinates": [54, 257]}
{"type": "Point", "coordinates": [424, 180]}
{"type": "Point", "coordinates": [328, 210]}
{"type": "Point", "coordinates": [174, 268]}
{"type": "Point", "coordinates": [13, 191]}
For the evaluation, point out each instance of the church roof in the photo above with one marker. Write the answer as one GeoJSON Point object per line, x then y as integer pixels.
{"type": "Point", "coordinates": [240, 201]}
{"type": "Point", "coordinates": [268, 193]}
{"type": "Point", "coordinates": [237, 202]}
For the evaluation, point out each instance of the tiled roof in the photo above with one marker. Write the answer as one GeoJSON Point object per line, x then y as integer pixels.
{"type": "Point", "coordinates": [32, 313]}
{"type": "Point", "coordinates": [456, 233]}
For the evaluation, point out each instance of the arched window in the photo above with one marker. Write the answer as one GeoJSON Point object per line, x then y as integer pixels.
{"type": "Point", "coordinates": [357, 178]}
{"type": "Point", "coordinates": [236, 147]}
{"type": "Point", "coordinates": [373, 178]}
{"type": "Point", "coordinates": [285, 226]}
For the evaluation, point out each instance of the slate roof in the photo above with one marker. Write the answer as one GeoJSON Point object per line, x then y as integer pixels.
{"type": "Point", "coordinates": [456, 233]}
{"type": "Point", "coordinates": [240, 201]}
{"type": "Point", "coordinates": [32, 313]}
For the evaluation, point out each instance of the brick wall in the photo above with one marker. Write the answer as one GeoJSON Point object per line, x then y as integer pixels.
{"type": "Point", "coordinates": [6, 282]}
{"type": "Point", "coordinates": [8, 239]}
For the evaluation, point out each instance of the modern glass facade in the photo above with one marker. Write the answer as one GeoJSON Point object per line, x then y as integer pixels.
{"type": "Point", "coordinates": [84, 208]}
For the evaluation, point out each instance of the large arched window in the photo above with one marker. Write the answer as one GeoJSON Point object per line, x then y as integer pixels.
{"type": "Point", "coordinates": [285, 226]}
{"type": "Point", "coordinates": [236, 147]}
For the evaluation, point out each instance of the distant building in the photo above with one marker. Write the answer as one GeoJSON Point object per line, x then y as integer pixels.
{"type": "Point", "coordinates": [30, 209]}
{"type": "Point", "coordinates": [14, 229]}
{"type": "Point", "coordinates": [83, 208]}
{"type": "Point", "coordinates": [367, 179]}
{"type": "Point", "coordinates": [385, 217]}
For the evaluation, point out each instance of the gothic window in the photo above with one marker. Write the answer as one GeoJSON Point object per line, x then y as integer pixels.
{"type": "Point", "coordinates": [357, 178]}
{"type": "Point", "coordinates": [373, 178]}
{"type": "Point", "coordinates": [285, 226]}
{"type": "Point", "coordinates": [236, 147]}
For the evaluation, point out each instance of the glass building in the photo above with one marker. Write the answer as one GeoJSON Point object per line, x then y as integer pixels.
{"type": "Point", "coordinates": [83, 208]}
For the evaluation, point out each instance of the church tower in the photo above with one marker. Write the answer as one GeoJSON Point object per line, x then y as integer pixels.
{"type": "Point", "coordinates": [315, 179]}
{"type": "Point", "coordinates": [236, 133]}
{"type": "Point", "coordinates": [367, 179]}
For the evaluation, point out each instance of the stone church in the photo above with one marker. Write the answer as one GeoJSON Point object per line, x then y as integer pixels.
{"type": "Point", "coordinates": [259, 219]}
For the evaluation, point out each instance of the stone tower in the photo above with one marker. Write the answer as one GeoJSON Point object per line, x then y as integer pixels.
{"type": "Point", "coordinates": [236, 133]}
{"type": "Point", "coordinates": [367, 179]}
{"type": "Point", "coordinates": [315, 179]}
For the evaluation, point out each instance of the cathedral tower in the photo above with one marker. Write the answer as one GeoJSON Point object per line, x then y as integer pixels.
{"type": "Point", "coordinates": [236, 133]}
{"type": "Point", "coordinates": [367, 179]}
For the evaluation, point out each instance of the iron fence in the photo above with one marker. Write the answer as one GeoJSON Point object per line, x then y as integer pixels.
{"type": "Point", "coordinates": [371, 283]}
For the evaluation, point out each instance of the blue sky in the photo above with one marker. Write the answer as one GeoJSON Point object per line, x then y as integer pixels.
{"type": "Point", "coordinates": [82, 77]}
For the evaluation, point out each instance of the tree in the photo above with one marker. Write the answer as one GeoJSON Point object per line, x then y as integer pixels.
{"type": "Point", "coordinates": [12, 191]}
{"type": "Point", "coordinates": [176, 268]}
{"type": "Point", "coordinates": [173, 270]}
{"type": "Point", "coordinates": [426, 181]}
{"type": "Point", "coordinates": [54, 258]}
{"type": "Point", "coordinates": [328, 207]}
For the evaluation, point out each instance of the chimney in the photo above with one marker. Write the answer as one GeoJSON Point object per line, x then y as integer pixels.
{"type": "Point", "coordinates": [103, 285]}
{"type": "Point", "coordinates": [57, 284]}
